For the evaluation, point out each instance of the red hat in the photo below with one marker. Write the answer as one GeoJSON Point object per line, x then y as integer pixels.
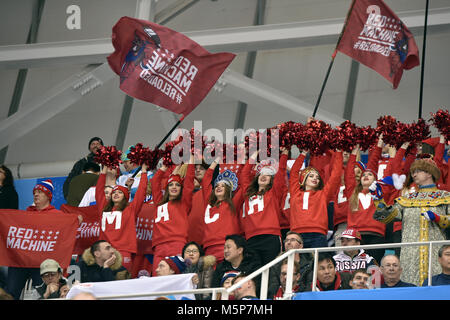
{"type": "Point", "coordinates": [45, 186]}
{"type": "Point", "coordinates": [174, 177]}
{"type": "Point", "coordinates": [176, 263]}
{"type": "Point", "coordinates": [351, 233]}
{"type": "Point", "coordinates": [124, 190]}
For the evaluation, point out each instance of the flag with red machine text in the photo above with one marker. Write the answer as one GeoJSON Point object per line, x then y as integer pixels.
{"type": "Point", "coordinates": [375, 36]}
{"type": "Point", "coordinates": [27, 239]}
{"type": "Point", "coordinates": [162, 66]}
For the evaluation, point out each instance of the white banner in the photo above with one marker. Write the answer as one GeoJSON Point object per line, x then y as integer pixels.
{"type": "Point", "coordinates": [136, 286]}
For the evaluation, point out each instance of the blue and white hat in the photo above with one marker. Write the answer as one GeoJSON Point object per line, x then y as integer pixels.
{"type": "Point", "coordinates": [124, 156]}
{"type": "Point", "coordinates": [228, 177]}
{"type": "Point", "coordinates": [45, 186]}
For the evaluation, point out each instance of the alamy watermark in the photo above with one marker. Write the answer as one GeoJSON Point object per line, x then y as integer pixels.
{"type": "Point", "coordinates": [222, 145]}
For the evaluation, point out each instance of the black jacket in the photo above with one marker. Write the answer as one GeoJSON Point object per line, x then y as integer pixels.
{"type": "Point", "coordinates": [248, 265]}
{"type": "Point", "coordinates": [92, 272]}
{"type": "Point", "coordinates": [77, 169]}
{"type": "Point", "coordinates": [8, 198]}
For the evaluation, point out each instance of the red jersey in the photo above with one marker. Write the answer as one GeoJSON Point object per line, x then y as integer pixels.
{"type": "Point", "coordinates": [340, 206]}
{"type": "Point", "coordinates": [144, 228]}
{"type": "Point", "coordinates": [285, 211]}
{"type": "Point", "coordinates": [218, 222]}
{"type": "Point", "coordinates": [309, 208]}
{"type": "Point", "coordinates": [171, 223]}
{"type": "Point", "coordinates": [119, 227]}
{"type": "Point", "coordinates": [260, 212]}
{"type": "Point", "coordinates": [361, 219]}
{"type": "Point", "coordinates": [195, 218]}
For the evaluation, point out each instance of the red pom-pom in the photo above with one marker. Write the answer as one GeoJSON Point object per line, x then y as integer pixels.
{"type": "Point", "coordinates": [366, 137]}
{"type": "Point", "coordinates": [198, 143]}
{"type": "Point", "coordinates": [108, 156]}
{"type": "Point", "coordinates": [140, 155]}
{"type": "Point", "coordinates": [441, 121]}
{"type": "Point", "coordinates": [387, 126]}
{"type": "Point", "coordinates": [418, 131]}
{"type": "Point", "coordinates": [317, 135]}
{"type": "Point", "coordinates": [344, 136]}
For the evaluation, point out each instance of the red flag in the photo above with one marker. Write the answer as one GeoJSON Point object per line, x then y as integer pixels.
{"type": "Point", "coordinates": [27, 239]}
{"type": "Point", "coordinates": [377, 38]}
{"type": "Point", "coordinates": [89, 230]}
{"type": "Point", "coordinates": [144, 228]}
{"type": "Point", "coordinates": [162, 66]}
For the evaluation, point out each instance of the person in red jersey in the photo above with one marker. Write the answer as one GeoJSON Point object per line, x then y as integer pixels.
{"type": "Point", "coordinates": [170, 229]}
{"type": "Point", "coordinates": [220, 214]}
{"type": "Point", "coordinates": [118, 215]}
{"type": "Point", "coordinates": [264, 200]}
{"type": "Point", "coordinates": [361, 204]}
{"type": "Point", "coordinates": [310, 197]}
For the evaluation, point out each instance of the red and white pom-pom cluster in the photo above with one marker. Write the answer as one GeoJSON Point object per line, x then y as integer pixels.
{"type": "Point", "coordinates": [315, 136]}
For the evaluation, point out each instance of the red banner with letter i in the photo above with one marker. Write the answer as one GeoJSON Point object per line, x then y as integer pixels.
{"type": "Point", "coordinates": [374, 36]}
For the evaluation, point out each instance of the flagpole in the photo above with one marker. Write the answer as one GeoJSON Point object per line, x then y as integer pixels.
{"type": "Point", "coordinates": [423, 60]}
{"type": "Point", "coordinates": [332, 60]}
{"type": "Point", "coordinates": [162, 141]}
{"type": "Point", "coordinates": [324, 82]}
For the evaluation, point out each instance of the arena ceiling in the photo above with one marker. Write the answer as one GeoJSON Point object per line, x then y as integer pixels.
{"type": "Point", "coordinates": [57, 91]}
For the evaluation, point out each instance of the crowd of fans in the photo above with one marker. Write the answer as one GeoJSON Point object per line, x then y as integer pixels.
{"type": "Point", "coordinates": [222, 224]}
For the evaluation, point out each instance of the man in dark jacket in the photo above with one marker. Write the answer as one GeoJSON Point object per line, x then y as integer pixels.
{"type": "Point", "coordinates": [101, 262]}
{"type": "Point", "coordinates": [95, 144]}
{"type": "Point", "coordinates": [327, 276]}
{"type": "Point", "coordinates": [237, 258]}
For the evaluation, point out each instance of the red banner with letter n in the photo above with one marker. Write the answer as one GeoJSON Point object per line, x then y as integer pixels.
{"type": "Point", "coordinates": [374, 36]}
{"type": "Point", "coordinates": [89, 230]}
{"type": "Point", "coordinates": [162, 66]}
{"type": "Point", "coordinates": [27, 239]}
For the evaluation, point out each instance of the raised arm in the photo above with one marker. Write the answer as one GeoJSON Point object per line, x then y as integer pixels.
{"type": "Point", "coordinates": [334, 182]}
{"type": "Point", "coordinates": [246, 174]}
{"type": "Point", "coordinates": [207, 178]}
{"type": "Point", "coordinates": [375, 154]}
{"type": "Point", "coordinates": [141, 192]}
{"type": "Point", "coordinates": [279, 182]}
{"type": "Point", "coordinates": [157, 194]}
{"type": "Point", "coordinates": [294, 185]}
{"type": "Point", "coordinates": [100, 189]}
{"type": "Point", "coordinates": [188, 185]}
{"type": "Point", "coordinates": [349, 175]}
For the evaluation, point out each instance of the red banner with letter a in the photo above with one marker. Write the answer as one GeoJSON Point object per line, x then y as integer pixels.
{"type": "Point", "coordinates": [377, 38]}
{"type": "Point", "coordinates": [162, 66]}
{"type": "Point", "coordinates": [27, 239]}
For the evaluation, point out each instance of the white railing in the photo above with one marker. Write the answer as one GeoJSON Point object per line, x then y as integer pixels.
{"type": "Point", "coordinates": [290, 256]}
{"type": "Point", "coordinates": [264, 271]}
